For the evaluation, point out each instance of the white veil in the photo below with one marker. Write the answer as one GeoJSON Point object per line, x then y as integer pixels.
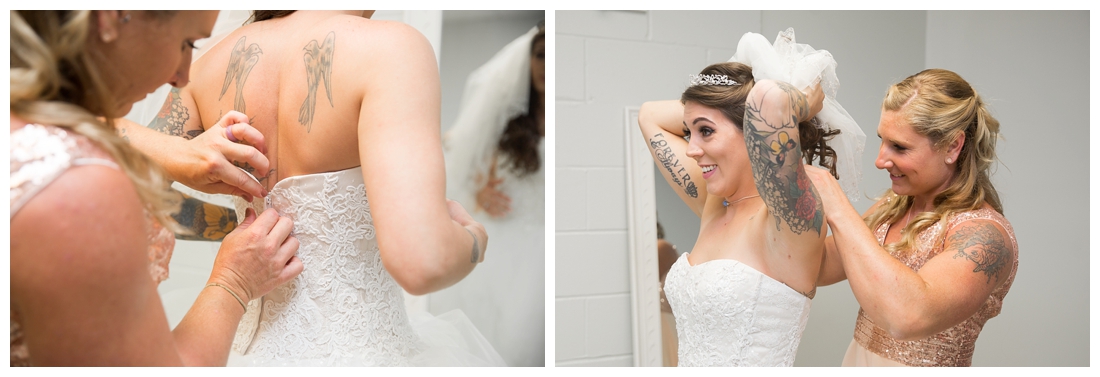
{"type": "Point", "coordinates": [800, 65]}
{"type": "Point", "coordinates": [495, 93]}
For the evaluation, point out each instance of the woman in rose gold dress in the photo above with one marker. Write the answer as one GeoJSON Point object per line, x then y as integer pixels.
{"type": "Point", "coordinates": [933, 259]}
{"type": "Point", "coordinates": [89, 212]}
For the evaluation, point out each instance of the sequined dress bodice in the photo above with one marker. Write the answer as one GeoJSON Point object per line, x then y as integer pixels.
{"type": "Point", "coordinates": [951, 347]}
{"type": "Point", "coordinates": [729, 314]}
{"type": "Point", "coordinates": [39, 155]}
{"type": "Point", "coordinates": [344, 308]}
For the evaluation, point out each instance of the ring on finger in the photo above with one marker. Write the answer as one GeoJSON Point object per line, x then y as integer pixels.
{"type": "Point", "coordinates": [229, 133]}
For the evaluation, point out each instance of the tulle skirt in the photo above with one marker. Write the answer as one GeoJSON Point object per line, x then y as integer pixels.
{"type": "Point", "coordinates": [447, 340]}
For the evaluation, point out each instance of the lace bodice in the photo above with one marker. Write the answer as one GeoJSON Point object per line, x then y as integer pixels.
{"type": "Point", "coordinates": [344, 308]}
{"type": "Point", "coordinates": [729, 314]}
{"type": "Point", "coordinates": [40, 154]}
{"type": "Point", "coordinates": [951, 347]}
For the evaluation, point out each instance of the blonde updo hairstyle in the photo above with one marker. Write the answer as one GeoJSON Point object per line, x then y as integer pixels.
{"type": "Point", "coordinates": [730, 101]}
{"type": "Point", "coordinates": [56, 80]}
{"type": "Point", "coordinates": [941, 106]}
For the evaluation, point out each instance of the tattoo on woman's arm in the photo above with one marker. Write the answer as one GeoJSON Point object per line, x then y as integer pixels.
{"type": "Point", "coordinates": [318, 58]}
{"type": "Point", "coordinates": [982, 244]}
{"type": "Point", "coordinates": [207, 222]}
{"type": "Point", "coordinates": [172, 116]}
{"type": "Point", "coordinates": [671, 162]}
{"type": "Point", "coordinates": [776, 160]}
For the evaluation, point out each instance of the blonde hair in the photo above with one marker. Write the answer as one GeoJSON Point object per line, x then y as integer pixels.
{"type": "Point", "coordinates": [941, 106]}
{"type": "Point", "coordinates": [55, 80]}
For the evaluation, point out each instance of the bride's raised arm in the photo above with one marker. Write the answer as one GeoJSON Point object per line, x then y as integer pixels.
{"type": "Point", "coordinates": [662, 125]}
{"type": "Point", "coordinates": [422, 245]}
{"type": "Point", "coordinates": [773, 111]}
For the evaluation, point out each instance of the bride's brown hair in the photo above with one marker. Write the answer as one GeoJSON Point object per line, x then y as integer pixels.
{"type": "Point", "coordinates": [520, 141]}
{"type": "Point", "coordinates": [730, 101]}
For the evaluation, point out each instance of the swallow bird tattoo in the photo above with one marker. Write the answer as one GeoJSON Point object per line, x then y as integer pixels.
{"type": "Point", "coordinates": [318, 59]}
{"type": "Point", "coordinates": [241, 61]}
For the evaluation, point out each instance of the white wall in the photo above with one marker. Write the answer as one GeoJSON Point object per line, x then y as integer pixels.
{"type": "Point", "coordinates": [470, 38]}
{"type": "Point", "coordinates": [611, 59]}
{"type": "Point", "coordinates": [1033, 68]}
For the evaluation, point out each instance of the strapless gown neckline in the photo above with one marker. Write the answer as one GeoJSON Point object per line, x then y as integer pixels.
{"type": "Point", "coordinates": [730, 314]}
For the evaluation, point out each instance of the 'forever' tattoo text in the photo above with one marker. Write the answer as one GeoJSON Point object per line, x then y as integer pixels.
{"type": "Point", "coordinates": [672, 164]}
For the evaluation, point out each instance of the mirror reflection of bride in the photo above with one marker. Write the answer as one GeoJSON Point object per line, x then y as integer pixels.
{"type": "Point", "coordinates": [494, 156]}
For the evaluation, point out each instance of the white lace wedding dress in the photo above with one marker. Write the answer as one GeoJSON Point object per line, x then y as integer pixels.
{"type": "Point", "coordinates": [729, 314]}
{"type": "Point", "coordinates": [345, 309]}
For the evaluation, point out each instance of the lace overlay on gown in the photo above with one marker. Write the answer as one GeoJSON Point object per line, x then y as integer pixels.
{"type": "Point", "coordinates": [344, 308]}
{"type": "Point", "coordinates": [729, 314]}
{"type": "Point", "coordinates": [951, 347]}
{"type": "Point", "coordinates": [40, 154]}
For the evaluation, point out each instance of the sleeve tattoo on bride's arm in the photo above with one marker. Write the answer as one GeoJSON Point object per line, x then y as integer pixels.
{"type": "Point", "coordinates": [207, 222]}
{"type": "Point", "coordinates": [776, 159]}
{"type": "Point", "coordinates": [173, 116]}
{"type": "Point", "coordinates": [671, 162]}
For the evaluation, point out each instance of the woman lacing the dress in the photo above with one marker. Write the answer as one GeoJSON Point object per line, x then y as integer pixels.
{"type": "Point", "coordinates": [89, 212]}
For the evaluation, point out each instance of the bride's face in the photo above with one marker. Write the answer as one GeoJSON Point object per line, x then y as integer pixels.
{"type": "Point", "coordinates": [538, 66]}
{"type": "Point", "coordinates": [718, 146]}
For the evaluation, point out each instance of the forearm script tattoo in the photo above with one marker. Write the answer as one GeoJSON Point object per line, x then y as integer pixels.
{"type": "Point", "coordinates": [318, 59]}
{"type": "Point", "coordinates": [982, 244]}
{"type": "Point", "coordinates": [776, 163]}
{"type": "Point", "coordinates": [241, 61]}
{"type": "Point", "coordinates": [671, 162]}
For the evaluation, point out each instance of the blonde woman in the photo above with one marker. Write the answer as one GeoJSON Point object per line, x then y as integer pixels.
{"type": "Point", "coordinates": [88, 212]}
{"type": "Point", "coordinates": [933, 259]}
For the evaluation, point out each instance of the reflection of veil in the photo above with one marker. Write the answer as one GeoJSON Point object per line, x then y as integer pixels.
{"type": "Point", "coordinates": [495, 93]}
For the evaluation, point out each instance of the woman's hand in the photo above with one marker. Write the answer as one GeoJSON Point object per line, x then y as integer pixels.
{"type": "Point", "coordinates": [460, 216]}
{"type": "Point", "coordinates": [257, 256]}
{"type": "Point", "coordinates": [832, 196]}
{"type": "Point", "coordinates": [493, 201]}
{"type": "Point", "coordinates": [205, 163]}
{"type": "Point", "coordinates": [816, 98]}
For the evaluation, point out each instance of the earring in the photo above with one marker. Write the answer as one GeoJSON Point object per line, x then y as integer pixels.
{"type": "Point", "coordinates": [107, 37]}
{"type": "Point", "coordinates": [125, 18]}
{"type": "Point", "coordinates": [949, 160]}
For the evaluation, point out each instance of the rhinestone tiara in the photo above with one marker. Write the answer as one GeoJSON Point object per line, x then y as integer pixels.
{"type": "Point", "coordinates": [711, 80]}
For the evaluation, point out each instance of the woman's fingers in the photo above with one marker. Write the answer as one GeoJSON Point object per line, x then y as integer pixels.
{"type": "Point", "coordinates": [245, 154]}
{"type": "Point", "coordinates": [247, 135]}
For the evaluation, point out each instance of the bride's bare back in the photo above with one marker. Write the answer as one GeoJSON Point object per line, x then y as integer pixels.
{"type": "Point", "coordinates": [301, 80]}
{"type": "Point", "coordinates": [330, 91]}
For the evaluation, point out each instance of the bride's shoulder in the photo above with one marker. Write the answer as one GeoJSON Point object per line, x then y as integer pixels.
{"type": "Point", "coordinates": [374, 37]}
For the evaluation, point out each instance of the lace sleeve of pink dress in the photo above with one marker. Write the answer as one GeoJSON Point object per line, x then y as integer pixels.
{"type": "Point", "coordinates": [40, 154]}
{"type": "Point", "coordinates": [873, 346]}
